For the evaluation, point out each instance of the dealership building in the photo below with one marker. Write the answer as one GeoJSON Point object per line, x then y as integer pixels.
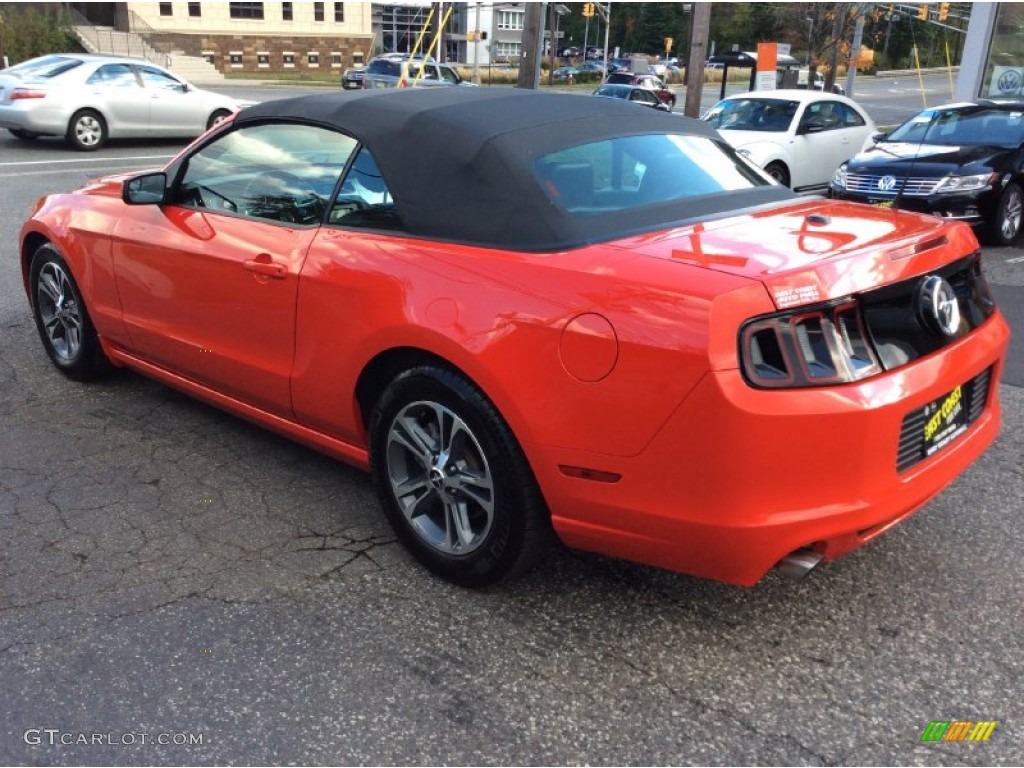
{"type": "Point", "coordinates": [993, 59]}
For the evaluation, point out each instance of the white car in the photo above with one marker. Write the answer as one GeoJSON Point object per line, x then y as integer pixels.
{"type": "Point", "coordinates": [88, 99]}
{"type": "Point", "coordinates": [799, 137]}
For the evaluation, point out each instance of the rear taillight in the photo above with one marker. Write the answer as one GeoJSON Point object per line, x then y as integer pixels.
{"type": "Point", "coordinates": [27, 93]}
{"type": "Point", "coordinates": [809, 347]}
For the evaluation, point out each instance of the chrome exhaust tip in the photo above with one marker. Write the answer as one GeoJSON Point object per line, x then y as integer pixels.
{"type": "Point", "coordinates": [798, 564]}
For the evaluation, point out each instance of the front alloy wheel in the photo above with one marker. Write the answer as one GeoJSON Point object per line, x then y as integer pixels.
{"type": "Point", "coordinates": [453, 480]}
{"type": "Point", "coordinates": [62, 319]}
{"type": "Point", "coordinates": [59, 311]}
{"type": "Point", "coordinates": [1006, 225]}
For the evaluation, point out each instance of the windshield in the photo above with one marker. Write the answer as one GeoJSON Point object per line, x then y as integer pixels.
{"type": "Point", "coordinates": [956, 127]}
{"type": "Point", "coordinates": [771, 115]}
{"type": "Point", "coordinates": [638, 171]}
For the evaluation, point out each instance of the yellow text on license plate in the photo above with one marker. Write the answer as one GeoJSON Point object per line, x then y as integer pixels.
{"type": "Point", "coordinates": [945, 414]}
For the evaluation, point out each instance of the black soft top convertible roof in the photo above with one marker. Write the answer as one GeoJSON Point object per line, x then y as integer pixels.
{"type": "Point", "coordinates": [459, 161]}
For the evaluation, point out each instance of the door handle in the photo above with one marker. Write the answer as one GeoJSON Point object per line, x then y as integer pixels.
{"type": "Point", "coordinates": [267, 268]}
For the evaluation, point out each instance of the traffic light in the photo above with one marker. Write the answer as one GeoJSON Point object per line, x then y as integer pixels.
{"type": "Point", "coordinates": [943, 11]}
{"type": "Point", "coordinates": [588, 9]}
{"type": "Point", "coordinates": [922, 12]}
{"type": "Point", "coordinates": [471, 36]}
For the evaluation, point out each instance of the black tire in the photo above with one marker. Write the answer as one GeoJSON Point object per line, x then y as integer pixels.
{"type": "Point", "coordinates": [87, 130]}
{"type": "Point", "coordinates": [62, 319]}
{"type": "Point", "coordinates": [779, 172]}
{"type": "Point", "coordinates": [216, 117]}
{"type": "Point", "coordinates": [1004, 227]}
{"type": "Point", "coordinates": [472, 512]}
{"type": "Point", "coordinates": [23, 135]}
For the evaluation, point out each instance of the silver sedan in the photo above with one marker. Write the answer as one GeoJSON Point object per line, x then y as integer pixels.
{"type": "Point", "coordinates": [88, 99]}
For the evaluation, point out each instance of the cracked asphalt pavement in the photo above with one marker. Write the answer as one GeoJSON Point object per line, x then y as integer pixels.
{"type": "Point", "coordinates": [178, 586]}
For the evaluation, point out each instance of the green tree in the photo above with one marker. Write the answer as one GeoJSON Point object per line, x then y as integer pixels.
{"type": "Point", "coordinates": [27, 31]}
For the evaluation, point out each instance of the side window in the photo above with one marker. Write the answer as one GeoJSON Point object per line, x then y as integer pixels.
{"type": "Point", "coordinates": [450, 75]}
{"type": "Point", "coordinates": [278, 171]}
{"type": "Point", "coordinates": [113, 76]}
{"type": "Point", "coordinates": [364, 200]}
{"type": "Point", "coordinates": [850, 117]}
{"type": "Point", "coordinates": [823, 115]}
{"type": "Point", "coordinates": [154, 78]}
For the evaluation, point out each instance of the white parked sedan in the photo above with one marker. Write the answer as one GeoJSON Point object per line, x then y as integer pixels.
{"type": "Point", "coordinates": [88, 99]}
{"type": "Point", "coordinates": [798, 137]}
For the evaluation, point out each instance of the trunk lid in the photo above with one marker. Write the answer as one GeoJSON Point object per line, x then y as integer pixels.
{"type": "Point", "coordinates": [814, 250]}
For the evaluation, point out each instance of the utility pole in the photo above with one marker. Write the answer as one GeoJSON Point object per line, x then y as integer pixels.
{"type": "Point", "coordinates": [476, 47]}
{"type": "Point", "coordinates": [606, 14]}
{"type": "Point", "coordinates": [858, 37]}
{"type": "Point", "coordinates": [552, 48]}
{"type": "Point", "coordinates": [838, 23]}
{"type": "Point", "coordinates": [699, 33]}
{"type": "Point", "coordinates": [532, 42]}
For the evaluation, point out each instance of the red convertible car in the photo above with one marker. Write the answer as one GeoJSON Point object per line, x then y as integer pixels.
{"type": "Point", "coordinates": [529, 314]}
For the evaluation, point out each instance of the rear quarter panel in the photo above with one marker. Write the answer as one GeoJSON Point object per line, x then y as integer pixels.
{"type": "Point", "coordinates": [501, 318]}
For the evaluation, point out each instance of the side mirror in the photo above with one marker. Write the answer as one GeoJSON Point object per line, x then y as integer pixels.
{"type": "Point", "coordinates": [878, 137]}
{"type": "Point", "coordinates": [148, 189]}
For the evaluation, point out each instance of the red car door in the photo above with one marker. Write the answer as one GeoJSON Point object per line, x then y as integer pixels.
{"type": "Point", "coordinates": [208, 282]}
{"type": "Point", "coordinates": [212, 297]}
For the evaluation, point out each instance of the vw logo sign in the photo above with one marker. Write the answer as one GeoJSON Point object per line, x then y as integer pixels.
{"type": "Point", "coordinates": [1009, 81]}
{"type": "Point", "coordinates": [887, 183]}
{"type": "Point", "coordinates": [938, 307]}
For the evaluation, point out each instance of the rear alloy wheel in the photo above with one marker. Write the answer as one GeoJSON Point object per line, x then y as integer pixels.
{"type": "Point", "coordinates": [61, 318]}
{"type": "Point", "coordinates": [87, 131]}
{"type": "Point", "coordinates": [778, 172]}
{"type": "Point", "coordinates": [453, 480]}
{"type": "Point", "coordinates": [1005, 225]}
{"type": "Point", "coordinates": [217, 117]}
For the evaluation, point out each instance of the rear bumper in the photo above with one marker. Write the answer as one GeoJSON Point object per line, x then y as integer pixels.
{"type": "Point", "coordinates": [739, 478]}
{"type": "Point", "coordinates": [46, 118]}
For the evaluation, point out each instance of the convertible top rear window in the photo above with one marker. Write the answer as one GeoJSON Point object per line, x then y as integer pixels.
{"type": "Point", "coordinates": [629, 172]}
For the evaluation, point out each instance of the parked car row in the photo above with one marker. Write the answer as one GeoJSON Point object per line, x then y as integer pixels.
{"type": "Point", "coordinates": [962, 161]}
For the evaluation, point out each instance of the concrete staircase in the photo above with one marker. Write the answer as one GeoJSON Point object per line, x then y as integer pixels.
{"type": "Point", "coordinates": [195, 69]}
{"type": "Point", "coordinates": [107, 40]}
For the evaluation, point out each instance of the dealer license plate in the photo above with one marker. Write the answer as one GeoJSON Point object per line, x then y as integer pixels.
{"type": "Point", "coordinates": [945, 421]}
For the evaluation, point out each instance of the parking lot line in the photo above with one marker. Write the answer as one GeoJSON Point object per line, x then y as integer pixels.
{"type": "Point", "coordinates": [83, 160]}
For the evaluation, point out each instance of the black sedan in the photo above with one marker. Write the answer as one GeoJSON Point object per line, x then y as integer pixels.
{"type": "Point", "coordinates": [353, 78]}
{"type": "Point", "coordinates": [962, 161]}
